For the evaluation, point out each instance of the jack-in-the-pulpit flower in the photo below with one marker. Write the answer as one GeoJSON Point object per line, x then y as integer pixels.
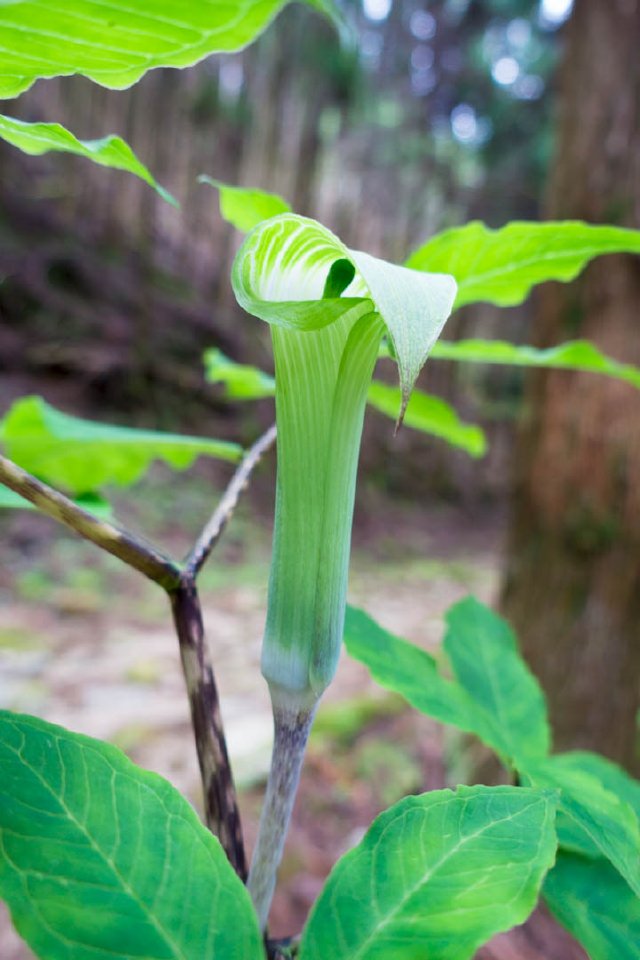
{"type": "Point", "coordinates": [329, 308]}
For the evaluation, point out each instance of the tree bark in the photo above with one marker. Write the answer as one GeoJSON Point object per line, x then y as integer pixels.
{"type": "Point", "coordinates": [572, 584]}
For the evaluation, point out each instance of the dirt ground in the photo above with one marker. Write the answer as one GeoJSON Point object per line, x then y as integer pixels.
{"type": "Point", "coordinates": [84, 645]}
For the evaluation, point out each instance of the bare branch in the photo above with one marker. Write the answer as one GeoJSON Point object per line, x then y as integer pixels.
{"type": "Point", "coordinates": [116, 541]}
{"type": "Point", "coordinates": [224, 511]}
{"type": "Point", "coordinates": [220, 803]}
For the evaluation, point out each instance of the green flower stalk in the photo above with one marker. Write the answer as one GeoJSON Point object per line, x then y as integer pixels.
{"type": "Point", "coordinates": [329, 308]}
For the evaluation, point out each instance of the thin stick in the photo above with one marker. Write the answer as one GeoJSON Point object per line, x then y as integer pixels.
{"type": "Point", "coordinates": [115, 540]}
{"type": "Point", "coordinates": [224, 511]}
{"type": "Point", "coordinates": [221, 807]}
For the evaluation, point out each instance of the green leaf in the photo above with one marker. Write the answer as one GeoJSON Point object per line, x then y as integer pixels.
{"type": "Point", "coordinates": [611, 776]}
{"type": "Point", "coordinates": [245, 208]}
{"type": "Point", "coordinates": [116, 44]}
{"type": "Point", "coordinates": [81, 455]}
{"type": "Point", "coordinates": [591, 820]}
{"type": "Point", "coordinates": [406, 669]}
{"type": "Point", "coordinates": [436, 876]}
{"type": "Point", "coordinates": [596, 906]}
{"type": "Point", "coordinates": [39, 138]}
{"type": "Point", "coordinates": [430, 415]}
{"type": "Point", "coordinates": [501, 266]}
{"type": "Point", "coordinates": [328, 308]}
{"type": "Point", "coordinates": [574, 355]}
{"type": "Point", "coordinates": [99, 858]}
{"type": "Point", "coordinates": [493, 694]}
{"type": "Point", "coordinates": [484, 655]}
{"type": "Point", "coordinates": [241, 381]}
{"type": "Point", "coordinates": [88, 501]}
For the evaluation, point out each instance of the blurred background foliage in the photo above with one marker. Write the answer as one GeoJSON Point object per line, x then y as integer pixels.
{"type": "Point", "coordinates": [442, 112]}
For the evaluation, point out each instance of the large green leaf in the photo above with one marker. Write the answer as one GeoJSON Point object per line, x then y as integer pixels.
{"type": "Point", "coordinates": [484, 655]}
{"type": "Point", "coordinates": [501, 266]}
{"type": "Point", "coordinates": [328, 308]}
{"type": "Point", "coordinates": [92, 502]}
{"type": "Point", "coordinates": [100, 859]}
{"type": "Point", "coordinates": [436, 876]}
{"type": "Point", "coordinates": [493, 695]}
{"type": "Point", "coordinates": [593, 902]}
{"type": "Point", "coordinates": [244, 207]}
{"type": "Point", "coordinates": [40, 138]}
{"type": "Point", "coordinates": [115, 44]}
{"type": "Point", "coordinates": [574, 355]}
{"type": "Point", "coordinates": [592, 821]}
{"type": "Point", "coordinates": [81, 455]}
{"type": "Point", "coordinates": [430, 415]}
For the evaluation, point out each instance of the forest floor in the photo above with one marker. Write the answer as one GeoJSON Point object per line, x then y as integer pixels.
{"type": "Point", "coordinates": [87, 646]}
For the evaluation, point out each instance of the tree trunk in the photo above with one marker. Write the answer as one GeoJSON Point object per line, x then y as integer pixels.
{"type": "Point", "coordinates": [572, 586]}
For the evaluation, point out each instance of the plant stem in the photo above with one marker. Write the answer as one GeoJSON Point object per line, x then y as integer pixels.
{"type": "Point", "coordinates": [131, 550]}
{"type": "Point", "coordinates": [224, 511]}
{"type": "Point", "coordinates": [291, 732]}
{"type": "Point", "coordinates": [220, 802]}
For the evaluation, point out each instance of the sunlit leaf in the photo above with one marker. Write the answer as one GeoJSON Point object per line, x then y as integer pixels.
{"type": "Point", "coordinates": [611, 776]}
{"type": "Point", "coordinates": [99, 858]}
{"type": "Point", "coordinates": [40, 138]}
{"type": "Point", "coordinates": [575, 355]}
{"type": "Point", "coordinates": [430, 415]}
{"type": "Point", "coordinates": [492, 695]}
{"type": "Point", "coordinates": [328, 308]}
{"type": "Point", "coordinates": [92, 502]}
{"type": "Point", "coordinates": [245, 208]}
{"type": "Point", "coordinates": [483, 652]}
{"type": "Point", "coordinates": [240, 381]}
{"type": "Point", "coordinates": [501, 266]}
{"type": "Point", "coordinates": [81, 455]}
{"type": "Point", "coordinates": [592, 820]}
{"type": "Point", "coordinates": [436, 876]}
{"type": "Point", "coordinates": [597, 907]}
{"type": "Point", "coordinates": [115, 44]}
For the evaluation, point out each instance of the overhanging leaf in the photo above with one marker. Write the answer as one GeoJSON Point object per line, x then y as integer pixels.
{"type": "Point", "coordinates": [501, 266]}
{"type": "Point", "coordinates": [430, 415]}
{"type": "Point", "coordinates": [92, 502]}
{"type": "Point", "coordinates": [115, 44]}
{"type": "Point", "coordinates": [591, 820]}
{"type": "Point", "coordinates": [80, 455]}
{"type": "Point", "coordinates": [99, 858]}
{"type": "Point", "coordinates": [575, 355]}
{"type": "Point", "coordinates": [243, 207]}
{"type": "Point", "coordinates": [39, 138]}
{"type": "Point", "coordinates": [596, 906]}
{"type": "Point", "coordinates": [436, 876]}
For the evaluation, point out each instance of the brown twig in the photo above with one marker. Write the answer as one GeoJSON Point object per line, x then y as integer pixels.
{"type": "Point", "coordinates": [224, 511]}
{"type": "Point", "coordinates": [220, 803]}
{"type": "Point", "coordinates": [115, 540]}
{"type": "Point", "coordinates": [179, 582]}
